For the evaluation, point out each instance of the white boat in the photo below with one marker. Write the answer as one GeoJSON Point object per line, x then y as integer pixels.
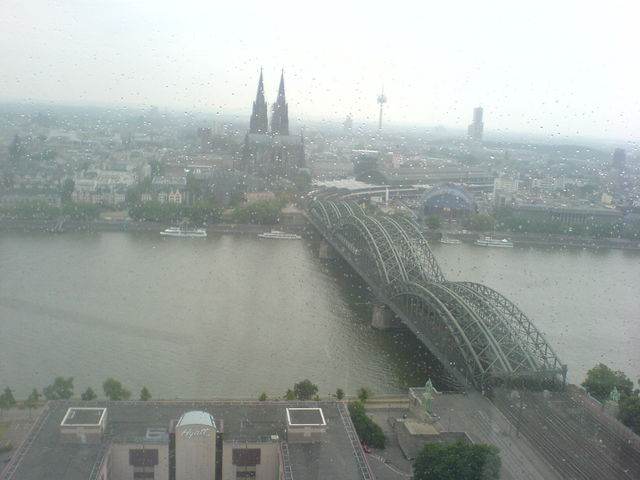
{"type": "Point", "coordinates": [184, 232]}
{"type": "Point", "coordinates": [494, 242]}
{"type": "Point", "coordinates": [449, 241]}
{"type": "Point", "coordinates": [278, 235]}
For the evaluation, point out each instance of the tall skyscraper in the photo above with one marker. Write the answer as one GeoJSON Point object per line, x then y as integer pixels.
{"type": "Point", "coordinates": [619, 160]}
{"type": "Point", "coordinates": [347, 125]}
{"type": "Point", "coordinates": [476, 128]}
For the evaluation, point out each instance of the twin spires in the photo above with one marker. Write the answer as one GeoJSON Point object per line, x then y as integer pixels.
{"type": "Point", "coordinates": [280, 111]}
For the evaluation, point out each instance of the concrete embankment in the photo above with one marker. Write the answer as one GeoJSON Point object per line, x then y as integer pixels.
{"type": "Point", "coordinates": [46, 225]}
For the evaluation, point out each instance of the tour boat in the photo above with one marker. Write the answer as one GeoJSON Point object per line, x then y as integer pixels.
{"type": "Point", "coordinates": [184, 232]}
{"type": "Point", "coordinates": [494, 242]}
{"type": "Point", "coordinates": [449, 241]}
{"type": "Point", "coordinates": [278, 235]}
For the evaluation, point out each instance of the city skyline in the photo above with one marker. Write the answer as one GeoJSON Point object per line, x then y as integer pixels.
{"type": "Point", "coordinates": [534, 71]}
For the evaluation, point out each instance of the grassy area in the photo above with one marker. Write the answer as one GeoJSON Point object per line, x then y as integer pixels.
{"type": "Point", "coordinates": [4, 426]}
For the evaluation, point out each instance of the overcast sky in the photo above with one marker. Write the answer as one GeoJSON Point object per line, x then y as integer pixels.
{"type": "Point", "coordinates": [562, 68]}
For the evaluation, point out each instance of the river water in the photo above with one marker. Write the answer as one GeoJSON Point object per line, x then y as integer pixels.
{"type": "Point", "coordinates": [234, 315]}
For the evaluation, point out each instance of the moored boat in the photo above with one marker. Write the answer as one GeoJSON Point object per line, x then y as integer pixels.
{"type": "Point", "coordinates": [449, 241]}
{"type": "Point", "coordinates": [278, 235]}
{"type": "Point", "coordinates": [494, 242]}
{"type": "Point", "coordinates": [184, 232]}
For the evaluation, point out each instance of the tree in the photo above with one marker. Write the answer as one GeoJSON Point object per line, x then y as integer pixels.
{"type": "Point", "coordinates": [601, 380]}
{"type": "Point", "coordinates": [305, 390]}
{"type": "Point", "coordinates": [60, 389]}
{"type": "Point", "coordinates": [89, 395]}
{"type": "Point", "coordinates": [114, 391]}
{"type": "Point", "coordinates": [434, 222]}
{"type": "Point", "coordinates": [7, 400]}
{"type": "Point", "coordinates": [339, 393]}
{"type": "Point", "coordinates": [81, 210]}
{"type": "Point", "coordinates": [481, 222]}
{"type": "Point", "coordinates": [462, 461]}
{"type": "Point", "coordinates": [32, 400]}
{"type": "Point", "coordinates": [364, 393]}
{"type": "Point", "coordinates": [145, 395]}
{"type": "Point", "coordinates": [68, 186]}
{"type": "Point", "coordinates": [290, 395]}
{"type": "Point", "coordinates": [265, 212]}
{"type": "Point", "coordinates": [629, 413]}
{"type": "Point", "coordinates": [369, 432]}
{"type": "Point", "coordinates": [194, 186]}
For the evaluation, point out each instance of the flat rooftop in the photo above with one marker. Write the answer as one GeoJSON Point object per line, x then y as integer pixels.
{"type": "Point", "coordinates": [45, 456]}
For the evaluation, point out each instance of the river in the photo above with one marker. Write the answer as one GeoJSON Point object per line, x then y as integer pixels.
{"type": "Point", "coordinates": [233, 315]}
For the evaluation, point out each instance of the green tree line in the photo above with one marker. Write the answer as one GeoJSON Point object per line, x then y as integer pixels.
{"type": "Point", "coordinates": [601, 382]}
{"type": "Point", "coordinates": [369, 432]}
{"type": "Point", "coordinates": [43, 210]}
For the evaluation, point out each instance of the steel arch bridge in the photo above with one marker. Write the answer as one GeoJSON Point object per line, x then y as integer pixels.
{"type": "Point", "coordinates": [477, 333]}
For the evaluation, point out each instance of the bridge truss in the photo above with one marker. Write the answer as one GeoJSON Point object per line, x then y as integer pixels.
{"type": "Point", "coordinates": [477, 333]}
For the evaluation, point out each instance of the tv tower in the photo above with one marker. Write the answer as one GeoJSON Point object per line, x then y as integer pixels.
{"type": "Point", "coordinates": [382, 99]}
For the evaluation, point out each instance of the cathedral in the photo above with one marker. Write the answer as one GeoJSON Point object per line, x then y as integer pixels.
{"type": "Point", "coordinates": [274, 151]}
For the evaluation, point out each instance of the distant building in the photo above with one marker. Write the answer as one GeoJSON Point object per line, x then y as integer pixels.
{"type": "Point", "coordinates": [476, 178]}
{"type": "Point", "coordinates": [449, 200]}
{"type": "Point", "coordinates": [204, 135]}
{"type": "Point", "coordinates": [174, 196]}
{"type": "Point", "coordinates": [506, 185]}
{"type": "Point", "coordinates": [168, 189]}
{"type": "Point", "coordinates": [107, 187]}
{"type": "Point", "coordinates": [191, 440]}
{"type": "Point", "coordinates": [365, 161]}
{"type": "Point", "coordinates": [567, 214]}
{"type": "Point", "coordinates": [619, 160]}
{"type": "Point", "coordinates": [476, 129]}
{"type": "Point", "coordinates": [253, 197]}
{"type": "Point", "coordinates": [347, 125]}
{"type": "Point", "coordinates": [274, 152]}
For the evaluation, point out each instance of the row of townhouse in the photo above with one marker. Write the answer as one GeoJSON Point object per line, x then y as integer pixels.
{"type": "Point", "coordinates": [107, 187]}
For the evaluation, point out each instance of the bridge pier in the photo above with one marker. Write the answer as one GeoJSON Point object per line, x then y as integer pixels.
{"type": "Point", "coordinates": [326, 251]}
{"type": "Point", "coordinates": [383, 318]}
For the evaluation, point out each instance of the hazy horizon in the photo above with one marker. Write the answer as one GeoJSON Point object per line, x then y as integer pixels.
{"type": "Point", "coordinates": [563, 70]}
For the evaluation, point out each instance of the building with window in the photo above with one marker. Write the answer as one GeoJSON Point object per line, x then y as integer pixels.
{"type": "Point", "coordinates": [191, 440]}
{"type": "Point", "coordinates": [476, 128]}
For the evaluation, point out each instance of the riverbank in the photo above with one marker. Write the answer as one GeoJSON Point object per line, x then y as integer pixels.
{"type": "Point", "coordinates": [518, 239]}
{"type": "Point", "coordinates": [52, 226]}
{"type": "Point", "coordinates": [535, 239]}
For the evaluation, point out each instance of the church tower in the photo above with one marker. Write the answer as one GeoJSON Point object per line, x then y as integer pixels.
{"type": "Point", "coordinates": [258, 122]}
{"type": "Point", "coordinates": [280, 115]}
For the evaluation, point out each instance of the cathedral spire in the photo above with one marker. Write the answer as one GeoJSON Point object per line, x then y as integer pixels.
{"type": "Point", "coordinates": [280, 115]}
{"type": "Point", "coordinates": [258, 122]}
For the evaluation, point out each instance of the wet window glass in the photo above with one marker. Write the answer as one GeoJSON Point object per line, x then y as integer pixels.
{"type": "Point", "coordinates": [273, 240]}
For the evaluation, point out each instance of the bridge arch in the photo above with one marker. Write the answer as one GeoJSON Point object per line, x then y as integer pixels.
{"type": "Point", "coordinates": [470, 327]}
